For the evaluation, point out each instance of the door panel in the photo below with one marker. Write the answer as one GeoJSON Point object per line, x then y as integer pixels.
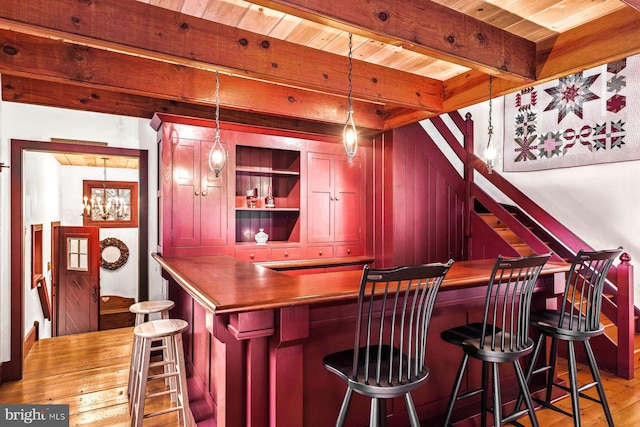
{"type": "Point", "coordinates": [213, 206]}
{"type": "Point", "coordinates": [78, 290]}
{"type": "Point", "coordinates": [185, 224]}
{"type": "Point", "coordinates": [348, 200]}
{"type": "Point", "coordinates": [320, 195]}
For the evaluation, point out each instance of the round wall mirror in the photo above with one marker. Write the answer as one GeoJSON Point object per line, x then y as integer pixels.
{"type": "Point", "coordinates": [113, 253]}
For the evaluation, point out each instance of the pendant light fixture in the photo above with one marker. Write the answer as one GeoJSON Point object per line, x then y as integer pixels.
{"type": "Point", "coordinates": [349, 133]}
{"type": "Point", "coordinates": [217, 155]}
{"type": "Point", "coordinates": [490, 152]}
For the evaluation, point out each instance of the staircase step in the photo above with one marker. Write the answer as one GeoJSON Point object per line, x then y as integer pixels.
{"type": "Point", "coordinates": [523, 249]}
{"type": "Point", "coordinates": [493, 220]}
{"type": "Point", "coordinates": [508, 235]}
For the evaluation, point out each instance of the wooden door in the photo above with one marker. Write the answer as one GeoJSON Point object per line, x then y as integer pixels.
{"type": "Point", "coordinates": [347, 204]}
{"type": "Point", "coordinates": [320, 197]}
{"type": "Point", "coordinates": [78, 290]}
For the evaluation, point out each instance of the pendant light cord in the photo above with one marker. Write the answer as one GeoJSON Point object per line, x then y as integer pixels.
{"type": "Point", "coordinates": [217, 136]}
{"type": "Point", "coordinates": [490, 105]}
{"type": "Point", "coordinates": [350, 72]}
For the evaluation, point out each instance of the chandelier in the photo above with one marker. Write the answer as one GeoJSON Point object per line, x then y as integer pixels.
{"type": "Point", "coordinates": [103, 203]}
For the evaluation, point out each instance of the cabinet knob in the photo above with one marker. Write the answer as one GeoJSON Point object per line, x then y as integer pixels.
{"type": "Point", "coordinates": [197, 193]}
{"type": "Point", "coordinates": [319, 252]}
{"type": "Point", "coordinates": [286, 254]}
{"type": "Point", "coordinates": [348, 251]}
{"type": "Point", "coordinates": [204, 193]}
{"type": "Point", "coordinates": [252, 256]}
{"type": "Point", "coordinates": [337, 198]}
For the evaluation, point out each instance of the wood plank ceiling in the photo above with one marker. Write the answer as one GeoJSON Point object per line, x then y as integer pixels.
{"type": "Point", "coordinates": [283, 63]}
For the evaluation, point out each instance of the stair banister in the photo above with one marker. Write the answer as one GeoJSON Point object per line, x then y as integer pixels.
{"type": "Point", "coordinates": [621, 275]}
{"type": "Point", "coordinates": [625, 321]}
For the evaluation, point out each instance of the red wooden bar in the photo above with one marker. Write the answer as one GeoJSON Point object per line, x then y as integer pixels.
{"type": "Point", "coordinates": [257, 338]}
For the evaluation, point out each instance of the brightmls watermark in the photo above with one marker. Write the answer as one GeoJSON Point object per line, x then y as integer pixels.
{"type": "Point", "coordinates": [34, 415]}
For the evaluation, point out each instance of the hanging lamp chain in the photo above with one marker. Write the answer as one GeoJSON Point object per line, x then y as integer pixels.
{"type": "Point", "coordinates": [217, 136]}
{"type": "Point", "coordinates": [350, 78]}
{"type": "Point", "coordinates": [490, 105]}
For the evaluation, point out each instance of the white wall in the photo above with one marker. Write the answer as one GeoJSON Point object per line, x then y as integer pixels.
{"type": "Point", "coordinates": [21, 121]}
{"type": "Point", "coordinates": [41, 206]}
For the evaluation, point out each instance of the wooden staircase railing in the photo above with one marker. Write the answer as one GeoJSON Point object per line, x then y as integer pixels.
{"type": "Point", "coordinates": [622, 312]}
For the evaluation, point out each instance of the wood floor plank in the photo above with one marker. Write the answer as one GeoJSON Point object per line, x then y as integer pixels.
{"type": "Point", "coordinates": [89, 372]}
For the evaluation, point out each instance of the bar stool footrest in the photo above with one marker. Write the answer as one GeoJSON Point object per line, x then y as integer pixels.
{"type": "Point", "coordinates": [163, 411]}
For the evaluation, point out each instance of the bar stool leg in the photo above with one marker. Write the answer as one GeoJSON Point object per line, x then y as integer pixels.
{"type": "Point", "coordinates": [181, 383]}
{"type": "Point", "coordinates": [593, 366]}
{"type": "Point", "coordinates": [456, 389]}
{"type": "Point", "coordinates": [140, 385]}
{"type": "Point", "coordinates": [134, 367]}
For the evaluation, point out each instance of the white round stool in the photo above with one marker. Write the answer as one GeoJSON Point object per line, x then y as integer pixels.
{"type": "Point", "coordinates": [142, 310]}
{"type": "Point", "coordinates": [170, 330]}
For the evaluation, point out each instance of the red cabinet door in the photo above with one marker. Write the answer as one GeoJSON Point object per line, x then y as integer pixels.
{"type": "Point", "coordinates": [199, 213]}
{"type": "Point", "coordinates": [185, 196]}
{"type": "Point", "coordinates": [213, 206]}
{"type": "Point", "coordinates": [320, 195]}
{"type": "Point", "coordinates": [334, 197]}
{"type": "Point", "coordinates": [347, 194]}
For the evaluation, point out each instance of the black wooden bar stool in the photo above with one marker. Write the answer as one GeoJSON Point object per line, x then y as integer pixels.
{"type": "Point", "coordinates": [577, 320]}
{"type": "Point", "coordinates": [146, 333]}
{"type": "Point", "coordinates": [388, 358]}
{"type": "Point", "coordinates": [142, 310]}
{"type": "Point", "coordinates": [501, 337]}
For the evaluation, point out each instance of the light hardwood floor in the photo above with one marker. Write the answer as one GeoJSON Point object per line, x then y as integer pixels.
{"type": "Point", "coordinates": [90, 371]}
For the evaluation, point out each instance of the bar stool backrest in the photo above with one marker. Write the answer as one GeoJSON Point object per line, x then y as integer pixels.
{"type": "Point", "coordinates": [584, 288]}
{"type": "Point", "coordinates": [507, 307]}
{"type": "Point", "coordinates": [394, 311]}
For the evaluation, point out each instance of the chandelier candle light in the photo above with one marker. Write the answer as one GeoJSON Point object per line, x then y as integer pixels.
{"type": "Point", "coordinates": [350, 135]}
{"type": "Point", "coordinates": [217, 155]}
{"type": "Point", "coordinates": [490, 152]}
{"type": "Point", "coordinates": [104, 207]}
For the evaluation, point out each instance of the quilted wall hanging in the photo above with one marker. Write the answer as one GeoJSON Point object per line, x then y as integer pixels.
{"type": "Point", "coordinates": [586, 118]}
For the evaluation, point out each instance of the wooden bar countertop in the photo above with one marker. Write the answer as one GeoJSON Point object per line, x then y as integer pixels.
{"type": "Point", "coordinates": [223, 284]}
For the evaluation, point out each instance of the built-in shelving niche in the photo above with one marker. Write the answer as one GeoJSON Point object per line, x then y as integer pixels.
{"type": "Point", "coordinates": [261, 169]}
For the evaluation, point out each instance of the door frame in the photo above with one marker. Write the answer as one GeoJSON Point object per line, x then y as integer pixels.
{"type": "Point", "coordinates": [12, 370]}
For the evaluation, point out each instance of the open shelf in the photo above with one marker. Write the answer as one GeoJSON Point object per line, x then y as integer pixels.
{"type": "Point", "coordinates": [263, 169]}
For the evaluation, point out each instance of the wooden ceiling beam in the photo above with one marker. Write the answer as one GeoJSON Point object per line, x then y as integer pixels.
{"type": "Point", "coordinates": [53, 94]}
{"type": "Point", "coordinates": [164, 35]}
{"type": "Point", "coordinates": [606, 39]}
{"type": "Point", "coordinates": [426, 27]}
{"type": "Point", "coordinates": [54, 60]}
{"type": "Point", "coordinates": [575, 50]}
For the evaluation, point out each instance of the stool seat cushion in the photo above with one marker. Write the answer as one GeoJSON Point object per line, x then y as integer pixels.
{"type": "Point", "coordinates": [148, 307]}
{"type": "Point", "coordinates": [160, 328]}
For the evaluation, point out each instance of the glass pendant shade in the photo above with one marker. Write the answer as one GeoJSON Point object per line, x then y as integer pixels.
{"type": "Point", "coordinates": [217, 156]}
{"type": "Point", "coordinates": [350, 138]}
{"type": "Point", "coordinates": [490, 155]}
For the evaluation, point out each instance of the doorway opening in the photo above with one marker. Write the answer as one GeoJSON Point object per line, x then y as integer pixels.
{"type": "Point", "coordinates": [12, 370]}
